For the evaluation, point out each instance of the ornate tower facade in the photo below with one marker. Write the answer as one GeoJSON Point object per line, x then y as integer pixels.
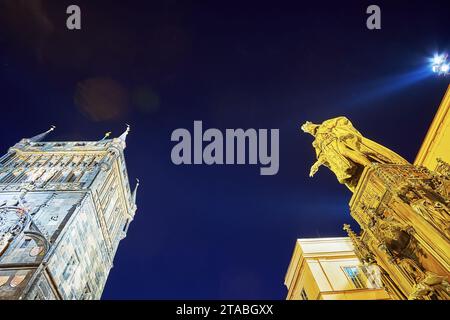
{"type": "Point", "coordinates": [404, 216]}
{"type": "Point", "coordinates": [64, 207]}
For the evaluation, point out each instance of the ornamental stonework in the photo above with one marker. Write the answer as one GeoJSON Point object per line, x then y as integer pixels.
{"type": "Point", "coordinates": [64, 207]}
{"type": "Point", "coordinates": [403, 210]}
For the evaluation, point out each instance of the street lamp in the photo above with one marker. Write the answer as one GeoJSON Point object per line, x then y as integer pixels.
{"type": "Point", "coordinates": [440, 65]}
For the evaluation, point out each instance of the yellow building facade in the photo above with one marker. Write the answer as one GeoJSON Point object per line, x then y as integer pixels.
{"type": "Point", "coordinates": [403, 211]}
{"type": "Point", "coordinates": [436, 144]}
{"type": "Point", "coordinates": [328, 269]}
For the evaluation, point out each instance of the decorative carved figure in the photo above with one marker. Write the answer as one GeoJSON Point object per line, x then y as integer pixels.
{"type": "Point", "coordinates": [11, 223]}
{"type": "Point", "coordinates": [432, 287]}
{"type": "Point", "coordinates": [434, 212]}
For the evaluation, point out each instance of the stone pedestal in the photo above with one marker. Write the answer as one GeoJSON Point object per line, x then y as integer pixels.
{"type": "Point", "coordinates": [404, 215]}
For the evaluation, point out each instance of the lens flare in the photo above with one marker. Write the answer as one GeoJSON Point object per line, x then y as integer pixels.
{"type": "Point", "coordinates": [439, 64]}
{"type": "Point", "coordinates": [444, 68]}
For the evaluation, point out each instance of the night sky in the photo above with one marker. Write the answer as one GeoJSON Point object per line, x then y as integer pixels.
{"type": "Point", "coordinates": [220, 232]}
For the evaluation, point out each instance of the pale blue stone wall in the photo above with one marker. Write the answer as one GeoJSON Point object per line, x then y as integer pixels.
{"type": "Point", "coordinates": [64, 207]}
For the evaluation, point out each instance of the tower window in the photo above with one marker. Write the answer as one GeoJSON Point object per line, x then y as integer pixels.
{"type": "Point", "coordinates": [71, 177]}
{"type": "Point", "coordinates": [356, 276]}
{"type": "Point", "coordinates": [8, 178]}
{"type": "Point", "coordinates": [70, 267]}
{"type": "Point", "coordinates": [6, 158]}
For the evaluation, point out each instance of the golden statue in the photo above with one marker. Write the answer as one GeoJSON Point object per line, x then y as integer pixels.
{"type": "Point", "coordinates": [342, 148]}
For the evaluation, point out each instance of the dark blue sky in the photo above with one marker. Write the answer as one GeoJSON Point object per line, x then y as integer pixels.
{"type": "Point", "coordinates": [220, 231]}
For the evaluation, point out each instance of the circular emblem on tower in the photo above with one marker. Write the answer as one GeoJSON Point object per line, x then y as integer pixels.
{"type": "Point", "coordinates": [12, 221]}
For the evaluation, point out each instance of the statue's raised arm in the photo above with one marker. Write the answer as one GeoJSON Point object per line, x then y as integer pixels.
{"type": "Point", "coordinates": [342, 148]}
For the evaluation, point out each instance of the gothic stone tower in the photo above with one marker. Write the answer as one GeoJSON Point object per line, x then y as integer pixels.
{"type": "Point", "coordinates": [64, 207]}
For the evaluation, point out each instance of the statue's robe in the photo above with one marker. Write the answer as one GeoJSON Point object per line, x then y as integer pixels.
{"type": "Point", "coordinates": [341, 147]}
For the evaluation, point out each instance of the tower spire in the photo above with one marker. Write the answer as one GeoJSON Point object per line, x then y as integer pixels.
{"type": "Point", "coordinates": [124, 135]}
{"type": "Point", "coordinates": [133, 195]}
{"type": "Point", "coordinates": [41, 136]}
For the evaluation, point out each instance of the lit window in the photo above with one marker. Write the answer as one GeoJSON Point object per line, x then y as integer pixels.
{"type": "Point", "coordinates": [356, 276]}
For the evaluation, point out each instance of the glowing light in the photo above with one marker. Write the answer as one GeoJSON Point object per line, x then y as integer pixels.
{"type": "Point", "coordinates": [439, 64]}
{"type": "Point", "coordinates": [438, 59]}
